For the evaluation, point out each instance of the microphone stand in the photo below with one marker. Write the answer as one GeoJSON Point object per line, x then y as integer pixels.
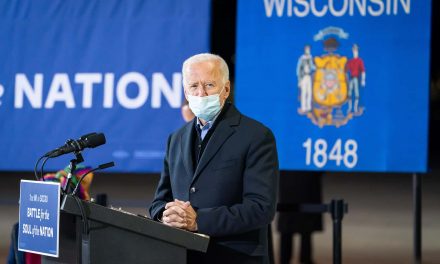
{"type": "Point", "coordinates": [85, 245]}
{"type": "Point", "coordinates": [72, 167]}
{"type": "Point", "coordinates": [65, 190]}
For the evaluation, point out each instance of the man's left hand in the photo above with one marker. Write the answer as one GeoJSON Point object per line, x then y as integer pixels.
{"type": "Point", "coordinates": [187, 220]}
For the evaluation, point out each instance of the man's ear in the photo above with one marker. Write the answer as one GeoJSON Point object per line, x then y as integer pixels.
{"type": "Point", "coordinates": [227, 89]}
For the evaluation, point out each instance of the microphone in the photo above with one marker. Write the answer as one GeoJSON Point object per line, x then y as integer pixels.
{"type": "Point", "coordinates": [100, 167]}
{"type": "Point", "coordinates": [90, 140]}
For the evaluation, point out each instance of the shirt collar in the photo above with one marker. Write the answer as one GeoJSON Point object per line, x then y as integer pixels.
{"type": "Point", "coordinates": [208, 124]}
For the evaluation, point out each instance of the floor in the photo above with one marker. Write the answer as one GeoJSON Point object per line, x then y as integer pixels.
{"type": "Point", "coordinates": [377, 229]}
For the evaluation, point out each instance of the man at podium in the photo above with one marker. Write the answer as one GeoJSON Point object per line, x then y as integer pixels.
{"type": "Point", "coordinates": [220, 171]}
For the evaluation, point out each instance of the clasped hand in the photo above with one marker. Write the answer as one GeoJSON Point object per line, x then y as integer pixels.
{"type": "Point", "coordinates": [180, 214]}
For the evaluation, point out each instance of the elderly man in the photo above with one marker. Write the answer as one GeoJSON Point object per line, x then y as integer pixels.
{"type": "Point", "coordinates": [220, 171]}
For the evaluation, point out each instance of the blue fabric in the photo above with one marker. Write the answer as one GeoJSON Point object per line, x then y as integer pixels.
{"type": "Point", "coordinates": [95, 66]}
{"type": "Point", "coordinates": [389, 133]}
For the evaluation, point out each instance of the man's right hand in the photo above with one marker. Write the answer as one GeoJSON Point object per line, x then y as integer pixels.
{"type": "Point", "coordinates": [174, 215]}
{"type": "Point", "coordinates": [180, 214]}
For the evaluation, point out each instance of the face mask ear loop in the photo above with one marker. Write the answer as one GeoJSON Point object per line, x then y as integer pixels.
{"type": "Point", "coordinates": [221, 105]}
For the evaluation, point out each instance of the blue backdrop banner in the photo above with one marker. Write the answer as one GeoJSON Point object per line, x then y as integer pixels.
{"type": "Point", "coordinates": [344, 85]}
{"type": "Point", "coordinates": [76, 66]}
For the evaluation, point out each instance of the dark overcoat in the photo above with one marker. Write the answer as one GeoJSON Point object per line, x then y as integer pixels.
{"type": "Point", "coordinates": [234, 185]}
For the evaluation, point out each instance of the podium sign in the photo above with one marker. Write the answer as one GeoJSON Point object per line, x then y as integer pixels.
{"type": "Point", "coordinates": [39, 217]}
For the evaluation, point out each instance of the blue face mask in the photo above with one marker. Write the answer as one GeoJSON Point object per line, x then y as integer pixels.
{"type": "Point", "coordinates": [205, 107]}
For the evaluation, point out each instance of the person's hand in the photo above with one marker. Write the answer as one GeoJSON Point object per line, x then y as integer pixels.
{"type": "Point", "coordinates": [180, 214]}
{"type": "Point", "coordinates": [190, 215]}
{"type": "Point", "coordinates": [174, 215]}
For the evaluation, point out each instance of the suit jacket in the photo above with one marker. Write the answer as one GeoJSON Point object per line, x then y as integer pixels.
{"type": "Point", "coordinates": [234, 186]}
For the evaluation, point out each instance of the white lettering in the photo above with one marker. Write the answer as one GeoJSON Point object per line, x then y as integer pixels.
{"type": "Point", "coordinates": [377, 12]}
{"type": "Point", "coordinates": [43, 198]}
{"type": "Point", "coordinates": [121, 90]}
{"type": "Point", "coordinates": [33, 94]}
{"type": "Point", "coordinates": [161, 86]}
{"type": "Point", "coordinates": [109, 84]}
{"type": "Point", "coordinates": [60, 90]}
{"type": "Point", "coordinates": [46, 231]}
{"type": "Point", "coordinates": [316, 12]}
{"type": "Point", "coordinates": [269, 4]}
{"type": "Point", "coordinates": [388, 7]}
{"type": "Point", "coordinates": [87, 80]}
{"type": "Point", "coordinates": [337, 8]}
{"type": "Point", "coordinates": [289, 8]}
{"type": "Point", "coordinates": [406, 5]}
{"type": "Point", "coordinates": [334, 11]}
{"type": "Point", "coordinates": [306, 10]}
{"type": "Point", "coordinates": [361, 6]}
{"type": "Point", "coordinates": [27, 229]}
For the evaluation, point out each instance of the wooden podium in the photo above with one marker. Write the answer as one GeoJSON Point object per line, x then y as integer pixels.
{"type": "Point", "coordinates": [121, 237]}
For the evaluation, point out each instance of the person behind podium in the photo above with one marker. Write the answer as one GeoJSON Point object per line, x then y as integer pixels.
{"type": "Point", "coordinates": [220, 174]}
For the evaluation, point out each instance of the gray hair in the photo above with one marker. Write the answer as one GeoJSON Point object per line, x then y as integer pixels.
{"type": "Point", "coordinates": [224, 70]}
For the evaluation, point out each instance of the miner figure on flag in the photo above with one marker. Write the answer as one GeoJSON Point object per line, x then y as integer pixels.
{"type": "Point", "coordinates": [355, 70]}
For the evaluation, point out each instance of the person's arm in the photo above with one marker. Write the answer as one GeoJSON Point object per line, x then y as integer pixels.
{"type": "Point", "coordinates": [260, 186]}
{"type": "Point", "coordinates": [163, 192]}
{"type": "Point", "coordinates": [363, 75]}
